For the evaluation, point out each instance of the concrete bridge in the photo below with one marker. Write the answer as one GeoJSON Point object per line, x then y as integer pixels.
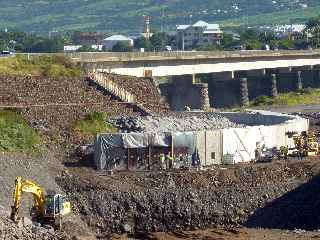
{"type": "Point", "coordinates": [183, 63]}
{"type": "Point", "coordinates": [216, 79]}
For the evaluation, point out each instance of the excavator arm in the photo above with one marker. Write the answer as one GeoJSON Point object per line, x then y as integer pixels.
{"type": "Point", "coordinates": [26, 186]}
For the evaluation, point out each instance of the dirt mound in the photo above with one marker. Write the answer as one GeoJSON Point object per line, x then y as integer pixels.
{"type": "Point", "coordinates": [155, 202]}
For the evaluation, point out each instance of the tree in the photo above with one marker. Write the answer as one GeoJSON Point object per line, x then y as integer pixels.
{"type": "Point", "coordinates": [142, 42]}
{"type": "Point", "coordinates": [122, 47]}
{"type": "Point", "coordinates": [249, 34]}
{"type": "Point", "coordinates": [87, 48]}
{"type": "Point", "coordinates": [47, 45]}
{"type": "Point", "coordinates": [253, 45]}
{"type": "Point", "coordinates": [267, 37]}
{"type": "Point", "coordinates": [228, 42]}
{"type": "Point", "coordinates": [209, 47]}
{"type": "Point", "coordinates": [159, 40]}
{"type": "Point", "coordinates": [286, 44]}
{"type": "Point", "coordinates": [313, 27]}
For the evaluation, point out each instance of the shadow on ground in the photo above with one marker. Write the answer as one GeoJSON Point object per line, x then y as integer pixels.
{"type": "Point", "coordinates": [298, 209]}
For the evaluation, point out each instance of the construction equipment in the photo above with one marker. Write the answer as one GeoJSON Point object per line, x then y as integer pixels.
{"type": "Point", "coordinates": [47, 209]}
{"type": "Point", "coordinates": [306, 143]}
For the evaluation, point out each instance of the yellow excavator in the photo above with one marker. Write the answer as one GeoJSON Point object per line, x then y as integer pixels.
{"type": "Point", "coordinates": [47, 208]}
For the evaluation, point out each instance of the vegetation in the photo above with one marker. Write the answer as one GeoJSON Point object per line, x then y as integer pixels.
{"type": "Point", "coordinates": [157, 42]}
{"type": "Point", "coordinates": [303, 97]}
{"type": "Point", "coordinates": [93, 124]}
{"type": "Point", "coordinates": [49, 66]}
{"type": "Point", "coordinates": [286, 16]}
{"type": "Point", "coordinates": [16, 135]}
{"type": "Point", "coordinates": [114, 15]}
{"type": "Point", "coordinates": [122, 47]}
{"type": "Point", "coordinates": [17, 41]}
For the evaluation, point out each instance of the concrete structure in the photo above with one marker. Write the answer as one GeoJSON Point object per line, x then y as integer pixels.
{"type": "Point", "coordinates": [198, 34]}
{"type": "Point", "coordinates": [230, 78]}
{"type": "Point", "coordinates": [110, 42]}
{"type": "Point", "coordinates": [182, 63]}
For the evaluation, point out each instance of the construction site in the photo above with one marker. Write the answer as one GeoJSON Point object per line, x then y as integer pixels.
{"type": "Point", "coordinates": [154, 173]}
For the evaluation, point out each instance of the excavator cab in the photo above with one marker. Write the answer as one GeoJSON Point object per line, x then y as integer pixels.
{"type": "Point", "coordinates": [55, 204]}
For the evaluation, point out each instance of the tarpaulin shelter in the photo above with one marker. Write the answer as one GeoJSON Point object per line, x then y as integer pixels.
{"type": "Point", "coordinates": [208, 147]}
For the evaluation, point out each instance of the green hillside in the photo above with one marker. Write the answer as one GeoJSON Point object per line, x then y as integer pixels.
{"type": "Point", "coordinates": [126, 15]}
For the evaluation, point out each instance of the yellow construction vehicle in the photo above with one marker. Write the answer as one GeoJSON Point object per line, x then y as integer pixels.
{"type": "Point", "coordinates": [47, 209]}
{"type": "Point", "coordinates": [306, 142]}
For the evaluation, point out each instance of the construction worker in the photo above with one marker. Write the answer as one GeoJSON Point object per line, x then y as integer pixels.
{"type": "Point", "coordinates": [257, 153]}
{"type": "Point", "coordinates": [169, 161]}
{"type": "Point", "coordinates": [300, 146]}
{"type": "Point", "coordinates": [162, 161]}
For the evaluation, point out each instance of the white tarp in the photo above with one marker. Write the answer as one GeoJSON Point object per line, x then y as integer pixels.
{"type": "Point", "coordinates": [239, 144]}
{"type": "Point", "coordinates": [135, 140]}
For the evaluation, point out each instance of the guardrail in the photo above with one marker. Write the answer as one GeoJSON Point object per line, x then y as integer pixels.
{"type": "Point", "coordinates": [112, 87]}
{"type": "Point", "coordinates": [131, 56]}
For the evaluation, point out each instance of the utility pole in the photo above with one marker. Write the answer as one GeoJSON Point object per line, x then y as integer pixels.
{"type": "Point", "coordinates": [162, 32]}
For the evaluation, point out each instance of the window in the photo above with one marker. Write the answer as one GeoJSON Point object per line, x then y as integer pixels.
{"type": "Point", "coordinates": [213, 155]}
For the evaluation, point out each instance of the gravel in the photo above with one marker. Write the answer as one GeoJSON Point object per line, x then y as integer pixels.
{"type": "Point", "coordinates": [180, 122]}
{"type": "Point", "coordinates": [171, 201]}
{"type": "Point", "coordinates": [10, 230]}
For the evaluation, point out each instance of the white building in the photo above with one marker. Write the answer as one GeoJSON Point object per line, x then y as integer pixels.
{"type": "Point", "coordinates": [110, 42]}
{"type": "Point", "coordinates": [283, 31]}
{"type": "Point", "coordinates": [75, 48]}
{"type": "Point", "coordinates": [198, 34]}
{"type": "Point", "coordinates": [71, 48]}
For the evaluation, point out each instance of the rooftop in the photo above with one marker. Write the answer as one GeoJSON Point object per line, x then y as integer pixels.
{"type": "Point", "coordinates": [203, 24]}
{"type": "Point", "coordinates": [117, 38]}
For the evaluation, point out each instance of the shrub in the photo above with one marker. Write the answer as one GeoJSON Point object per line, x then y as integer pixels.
{"type": "Point", "coordinates": [262, 100]}
{"type": "Point", "coordinates": [92, 124]}
{"type": "Point", "coordinates": [15, 134]}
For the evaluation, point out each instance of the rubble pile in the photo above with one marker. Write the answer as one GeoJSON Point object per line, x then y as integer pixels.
{"type": "Point", "coordinates": [144, 90]}
{"type": "Point", "coordinates": [10, 230]}
{"type": "Point", "coordinates": [314, 115]}
{"type": "Point", "coordinates": [171, 201]}
{"type": "Point", "coordinates": [180, 122]}
{"type": "Point", "coordinates": [60, 102]}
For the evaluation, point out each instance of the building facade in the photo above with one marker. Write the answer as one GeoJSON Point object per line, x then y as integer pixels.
{"type": "Point", "coordinates": [197, 35]}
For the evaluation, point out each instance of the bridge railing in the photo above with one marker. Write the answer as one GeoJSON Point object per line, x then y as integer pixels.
{"type": "Point", "coordinates": [127, 56]}
{"type": "Point", "coordinates": [113, 87]}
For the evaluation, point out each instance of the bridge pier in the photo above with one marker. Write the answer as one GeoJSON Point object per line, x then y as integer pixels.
{"type": "Point", "coordinates": [298, 80]}
{"type": "Point", "coordinates": [272, 76]}
{"type": "Point", "coordinates": [244, 93]}
{"type": "Point", "coordinates": [242, 77]}
{"type": "Point", "coordinates": [183, 91]}
{"type": "Point", "coordinates": [274, 89]}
